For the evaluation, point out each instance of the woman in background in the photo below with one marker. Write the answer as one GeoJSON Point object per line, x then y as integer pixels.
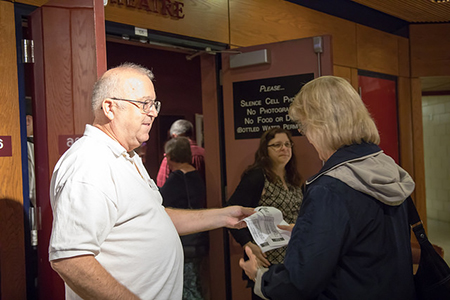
{"type": "Point", "coordinates": [272, 180]}
{"type": "Point", "coordinates": [184, 188]}
{"type": "Point", "coordinates": [352, 238]}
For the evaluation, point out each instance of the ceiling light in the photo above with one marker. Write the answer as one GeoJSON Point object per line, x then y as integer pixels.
{"type": "Point", "coordinates": [440, 1]}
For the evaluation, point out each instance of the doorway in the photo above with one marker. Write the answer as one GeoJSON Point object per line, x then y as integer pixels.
{"type": "Point", "coordinates": [436, 138]}
{"type": "Point", "coordinates": [177, 84]}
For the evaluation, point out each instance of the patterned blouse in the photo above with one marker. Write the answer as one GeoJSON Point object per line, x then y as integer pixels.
{"type": "Point", "coordinates": [288, 201]}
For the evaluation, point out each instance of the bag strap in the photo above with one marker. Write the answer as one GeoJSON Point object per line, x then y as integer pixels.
{"type": "Point", "coordinates": [415, 222]}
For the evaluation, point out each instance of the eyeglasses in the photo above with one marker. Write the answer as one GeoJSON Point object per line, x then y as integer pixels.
{"type": "Point", "coordinates": [146, 105]}
{"type": "Point", "coordinates": [277, 146]}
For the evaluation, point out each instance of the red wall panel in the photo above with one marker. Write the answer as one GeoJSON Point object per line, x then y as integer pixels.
{"type": "Point", "coordinates": [380, 97]}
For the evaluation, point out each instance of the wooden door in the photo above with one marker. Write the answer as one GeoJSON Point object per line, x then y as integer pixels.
{"type": "Point", "coordinates": [379, 94]}
{"type": "Point", "coordinates": [287, 64]}
{"type": "Point", "coordinates": [69, 39]}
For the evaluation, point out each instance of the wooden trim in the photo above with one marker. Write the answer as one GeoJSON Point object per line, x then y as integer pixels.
{"type": "Point", "coordinates": [213, 173]}
{"type": "Point", "coordinates": [100, 37]}
{"type": "Point", "coordinates": [405, 124]}
{"type": "Point", "coordinates": [418, 149]}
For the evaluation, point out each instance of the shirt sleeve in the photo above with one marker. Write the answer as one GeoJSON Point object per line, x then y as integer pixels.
{"type": "Point", "coordinates": [248, 194]}
{"type": "Point", "coordinates": [83, 218]}
{"type": "Point", "coordinates": [308, 266]}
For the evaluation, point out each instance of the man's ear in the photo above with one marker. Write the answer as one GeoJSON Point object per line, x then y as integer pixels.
{"type": "Point", "coordinates": [108, 108]}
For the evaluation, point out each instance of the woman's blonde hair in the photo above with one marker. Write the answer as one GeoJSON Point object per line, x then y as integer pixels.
{"type": "Point", "coordinates": [332, 113]}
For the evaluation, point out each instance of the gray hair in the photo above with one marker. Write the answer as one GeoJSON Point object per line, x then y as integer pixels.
{"type": "Point", "coordinates": [182, 128]}
{"type": "Point", "coordinates": [179, 150]}
{"type": "Point", "coordinates": [333, 114]}
{"type": "Point", "coordinates": [111, 82]}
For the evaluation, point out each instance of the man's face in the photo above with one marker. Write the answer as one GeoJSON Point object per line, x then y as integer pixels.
{"type": "Point", "coordinates": [130, 125]}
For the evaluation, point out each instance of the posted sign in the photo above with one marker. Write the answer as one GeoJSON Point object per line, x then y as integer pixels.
{"type": "Point", "coordinates": [264, 103]}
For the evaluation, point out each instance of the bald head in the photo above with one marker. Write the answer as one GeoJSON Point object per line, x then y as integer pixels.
{"type": "Point", "coordinates": [116, 83]}
{"type": "Point", "coordinates": [118, 101]}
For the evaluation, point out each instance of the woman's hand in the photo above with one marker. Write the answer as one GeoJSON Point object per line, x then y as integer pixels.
{"type": "Point", "coordinates": [260, 256]}
{"type": "Point", "coordinates": [250, 266]}
{"type": "Point", "coordinates": [286, 227]}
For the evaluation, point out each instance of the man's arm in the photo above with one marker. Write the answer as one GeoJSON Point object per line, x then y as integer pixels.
{"type": "Point", "coordinates": [86, 277]}
{"type": "Point", "coordinates": [188, 221]}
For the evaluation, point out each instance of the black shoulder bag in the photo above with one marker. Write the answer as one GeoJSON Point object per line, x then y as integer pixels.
{"type": "Point", "coordinates": [432, 279]}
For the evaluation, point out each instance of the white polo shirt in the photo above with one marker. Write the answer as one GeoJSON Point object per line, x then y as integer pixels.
{"type": "Point", "coordinates": [104, 207]}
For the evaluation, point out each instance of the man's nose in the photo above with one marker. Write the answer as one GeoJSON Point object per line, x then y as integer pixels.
{"type": "Point", "coordinates": [153, 112]}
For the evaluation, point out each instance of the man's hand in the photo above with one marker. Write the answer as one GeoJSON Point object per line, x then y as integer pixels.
{"type": "Point", "coordinates": [260, 256]}
{"type": "Point", "coordinates": [233, 216]}
{"type": "Point", "coordinates": [250, 266]}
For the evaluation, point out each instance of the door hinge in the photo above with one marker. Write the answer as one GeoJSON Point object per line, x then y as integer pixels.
{"type": "Point", "coordinates": [35, 224]}
{"type": "Point", "coordinates": [27, 51]}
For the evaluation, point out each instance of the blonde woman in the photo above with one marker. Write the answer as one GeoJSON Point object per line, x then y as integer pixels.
{"type": "Point", "coordinates": [351, 239]}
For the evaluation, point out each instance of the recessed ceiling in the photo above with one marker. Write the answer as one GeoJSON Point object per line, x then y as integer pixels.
{"type": "Point", "coordinates": [413, 11]}
{"type": "Point", "coordinates": [417, 11]}
{"type": "Point", "coordinates": [433, 84]}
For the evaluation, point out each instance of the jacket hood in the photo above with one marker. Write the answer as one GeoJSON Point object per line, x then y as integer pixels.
{"type": "Point", "coordinates": [374, 174]}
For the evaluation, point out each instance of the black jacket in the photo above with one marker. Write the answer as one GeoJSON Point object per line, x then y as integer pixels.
{"type": "Point", "coordinates": [351, 240]}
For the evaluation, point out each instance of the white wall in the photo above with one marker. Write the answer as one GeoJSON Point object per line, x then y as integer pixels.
{"type": "Point", "coordinates": [436, 131]}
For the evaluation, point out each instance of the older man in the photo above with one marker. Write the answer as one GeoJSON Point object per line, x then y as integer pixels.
{"type": "Point", "coordinates": [111, 237]}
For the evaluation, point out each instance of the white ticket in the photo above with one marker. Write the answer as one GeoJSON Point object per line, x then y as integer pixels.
{"type": "Point", "coordinates": [264, 230]}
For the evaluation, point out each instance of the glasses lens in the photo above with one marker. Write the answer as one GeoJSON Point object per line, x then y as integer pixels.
{"type": "Point", "coordinates": [157, 105]}
{"type": "Point", "coordinates": [147, 107]}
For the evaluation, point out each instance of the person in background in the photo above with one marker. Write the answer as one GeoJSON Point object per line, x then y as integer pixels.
{"type": "Point", "coordinates": [272, 180]}
{"type": "Point", "coordinates": [185, 189]}
{"type": "Point", "coordinates": [142, 151]}
{"type": "Point", "coordinates": [183, 128]}
{"type": "Point", "coordinates": [31, 235]}
{"type": "Point", "coordinates": [112, 238]}
{"type": "Point", "coordinates": [30, 151]}
{"type": "Point", "coordinates": [352, 238]}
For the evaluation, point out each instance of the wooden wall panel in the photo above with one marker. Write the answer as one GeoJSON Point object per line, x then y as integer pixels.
{"type": "Point", "coordinates": [351, 74]}
{"type": "Point", "coordinates": [255, 22]}
{"type": "Point", "coordinates": [12, 251]}
{"type": "Point", "coordinates": [404, 69]}
{"type": "Point", "coordinates": [377, 50]}
{"type": "Point", "coordinates": [202, 19]}
{"type": "Point", "coordinates": [430, 44]}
